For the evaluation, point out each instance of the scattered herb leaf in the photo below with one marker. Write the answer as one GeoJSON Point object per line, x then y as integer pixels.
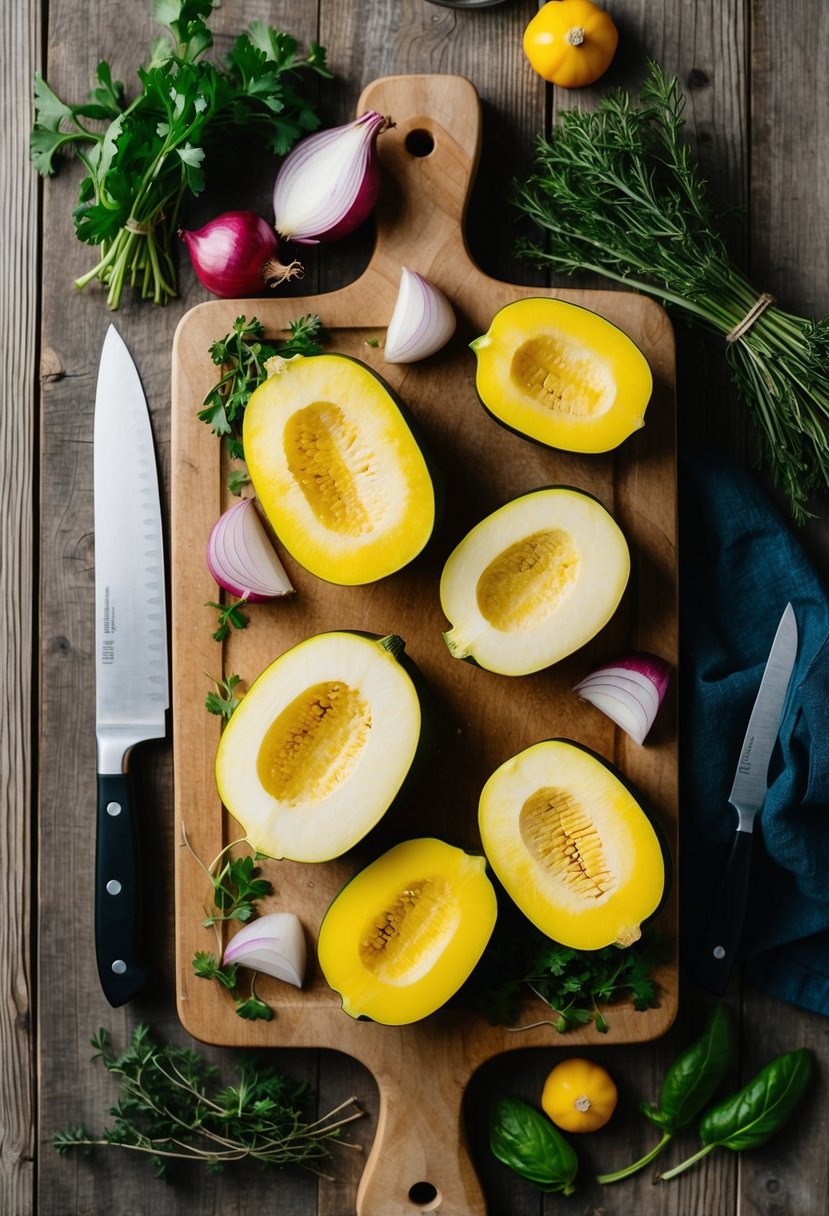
{"type": "Point", "coordinates": [229, 615]}
{"type": "Point", "coordinates": [223, 701]}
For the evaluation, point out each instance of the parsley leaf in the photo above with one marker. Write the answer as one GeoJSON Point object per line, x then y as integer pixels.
{"type": "Point", "coordinates": [222, 701]}
{"type": "Point", "coordinates": [151, 154]}
{"type": "Point", "coordinates": [230, 615]}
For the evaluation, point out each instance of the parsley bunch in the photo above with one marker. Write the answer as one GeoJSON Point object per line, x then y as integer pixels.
{"type": "Point", "coordinates": [172, 1108]}
{"type": "Point", "coordinates": [578, 985]}
{"type": "Point", "coordinates": [149, 154]}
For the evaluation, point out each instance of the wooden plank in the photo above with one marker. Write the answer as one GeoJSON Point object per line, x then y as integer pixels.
{"type": "Point", "coordinates": [71, 1006]}
{"type": "Point", "coordinates": [20, 28]}
{"type": "Point", "coordinates": [789, 221]}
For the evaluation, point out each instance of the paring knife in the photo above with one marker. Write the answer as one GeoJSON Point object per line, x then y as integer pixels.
{"type": "Point", "coordinates": [748, 793]}
{"type": "Point", "coordinates": [131, 680]}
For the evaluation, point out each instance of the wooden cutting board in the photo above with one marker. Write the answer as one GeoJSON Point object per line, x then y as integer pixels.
{"type": "Point", "coordinates": [428, 161]}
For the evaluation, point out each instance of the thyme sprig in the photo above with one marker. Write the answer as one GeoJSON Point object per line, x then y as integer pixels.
{"type": "Point", "coordinates": [616, 192]}
{"type": "Point", "coordinates": [173, 1108]}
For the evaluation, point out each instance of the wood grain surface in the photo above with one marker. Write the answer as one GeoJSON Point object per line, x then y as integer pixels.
{"type": "Point", "coordinates": [756, 92]}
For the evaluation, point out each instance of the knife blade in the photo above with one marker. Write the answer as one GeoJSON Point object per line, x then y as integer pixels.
{"type": "Point", "coordinates": [131, 680]}
{"type": "Point", "coordinates": [748, 794]}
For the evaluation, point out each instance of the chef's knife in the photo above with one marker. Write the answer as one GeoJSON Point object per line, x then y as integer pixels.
{"type": "Point", "coordinates": [748, 793]}
{"type": "Point", "coordinates": [131, 681]}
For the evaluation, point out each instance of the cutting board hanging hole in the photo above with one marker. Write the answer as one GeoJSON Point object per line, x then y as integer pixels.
{"type": "Point", "coordinates": [425, 1196]}
{"type": "Point", "coordinates": [420, 142]}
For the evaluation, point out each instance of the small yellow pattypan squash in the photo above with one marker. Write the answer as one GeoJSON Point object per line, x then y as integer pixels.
{"type": "Point", "coordinates": [579, 1096]}
{"type": "Point", "coordinates": [571, 42]}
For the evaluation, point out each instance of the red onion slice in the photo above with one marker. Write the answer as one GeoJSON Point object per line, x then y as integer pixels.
{"type": "Point", "coordinates": [241, 558]}
{"type": "Point", "coordinates": [629, 691]}
{"type": "Point", "coordinates": [422, 322]}
{"type": "Point", "coordinates": [273, 944]}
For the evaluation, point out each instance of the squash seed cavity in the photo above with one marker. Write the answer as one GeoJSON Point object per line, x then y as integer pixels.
{"type": "Point", "coordinates": [400, 943]}
{"type": "Point", "coordinates": [562, 837]}
{"type": "Point", "coordinates": [528, 581]}
{"type": "Point", "coordinates": [562, 377]}
{"type": "Point", "coordinates": [338, 474]}
{"type": "Point", "coordinates": [314, 744]}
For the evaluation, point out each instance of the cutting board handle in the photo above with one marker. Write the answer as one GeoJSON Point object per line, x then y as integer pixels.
{"type": "Point", "coordinates": [428, 162]}
{"type": "Point", "coordinates": [420, 1161]}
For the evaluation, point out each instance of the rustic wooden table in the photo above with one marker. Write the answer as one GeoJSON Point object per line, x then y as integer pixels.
{"type": "Point", "coordinates": [756, 91]}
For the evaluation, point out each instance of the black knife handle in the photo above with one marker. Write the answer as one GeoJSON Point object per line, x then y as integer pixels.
{"type": "Point", "coordinates": [727, 918]}
{"type": "Point", "coordinates": [117, 892]}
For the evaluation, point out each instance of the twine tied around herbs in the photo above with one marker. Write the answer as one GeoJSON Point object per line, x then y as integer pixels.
{"type": "Point", "coordinates": [138, 229]}
{"type": "Point", "coordinates": [763, 301]}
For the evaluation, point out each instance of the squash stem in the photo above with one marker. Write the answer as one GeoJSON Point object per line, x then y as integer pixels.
{"type": "Point", "coordinates": [393, 644]}
{"type": "Point", "coordinates": [604, 1179]}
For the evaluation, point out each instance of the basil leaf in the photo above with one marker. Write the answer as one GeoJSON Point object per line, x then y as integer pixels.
{"type": "Point", "coordinates": [531, 1146]}
{"type": "Point", "coordinates": [747, 1119]}
{"type": "Point", "coordinates": [695, 1075]}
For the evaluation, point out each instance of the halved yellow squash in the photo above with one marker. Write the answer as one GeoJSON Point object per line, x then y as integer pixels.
{"type": "Point", "coordinates": [405, 933]}
{"type": "Point", "coordinates": [562, 375]}
{"type": "Point", "coordinates": [572, 845]}
{"type": "Point", "coordinates": [337, 469]}
{"type": "Point", "coordinates": [534, 581]}
{"type": "Point", "coordinates": [320, 746]}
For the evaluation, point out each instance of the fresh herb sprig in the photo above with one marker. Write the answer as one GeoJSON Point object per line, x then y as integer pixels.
{"type": "Point", "coordinates": [237, 886]}
{"type": "Point", "coordinates": [223, 700]}
{"type": "Point", "coordinates": [149, 154]}
{"type": "Point", "coordinates": [578, 985]}
{"type": "Point", "coordinates": [243, 356]}
{"type": "Point", "coordinates": [616, 193]}
{"type": "Point", "coordinates": [173, 1107]}
{"type": "Point", "coordinates": [229, 616]}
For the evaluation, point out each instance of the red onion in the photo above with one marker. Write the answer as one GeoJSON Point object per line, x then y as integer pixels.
{"type": "Point", "coordinates": [237, 254]}
{"type": "Point", "coordinates": [328, 184]}
{"type": "Point", "coordinates": [241, 558]}
{"type": "Point", "coordinates": [422, 321]}
{"type": "Point", "coordinates": [629, 691]}
{"type": "Point", "coordinates": [274, 944]}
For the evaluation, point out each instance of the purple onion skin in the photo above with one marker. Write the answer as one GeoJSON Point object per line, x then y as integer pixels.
{"type": "Point", "coordinates": [236, 254]}
{"type": "Point", "coordinates": [357, 214]}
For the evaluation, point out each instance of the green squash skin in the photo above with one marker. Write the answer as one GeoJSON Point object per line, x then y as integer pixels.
{"type": "Point", "coordinates": [362, 1017]}
{"type": "Point", "coordinates": [523, 434]}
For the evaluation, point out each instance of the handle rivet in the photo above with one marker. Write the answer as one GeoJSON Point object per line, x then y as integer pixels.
{"type": "Point", "coordinates": [113, 887]}
{"type": "Point", "coordinates": [113, 808]}
{"type": "Point", "coordinates": [719, 952]}
{"type": "Point", "coordinates": [119, 966]}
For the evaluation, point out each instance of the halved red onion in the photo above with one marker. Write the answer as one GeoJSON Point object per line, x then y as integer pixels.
{"type": "Point", "coordinates": [629, 691]}
{"type": "Point", "coordinates": [422, 322]}
{"type": "Point", "coordinates": [328, 184]}
{"type": "Point", "coordinates": [274, 944]}
{"type": "Point", "coordinates": [242, 559]}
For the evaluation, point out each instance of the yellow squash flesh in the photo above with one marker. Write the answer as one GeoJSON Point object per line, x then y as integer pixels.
{"type": "Point", "coordinates": [534, 581]}
{"type": "Point", "coordinates": [405, 933]}
{"type": "Point", "coordinates": [320, 746]}
{"type": "Point", "coordinates": [562, 375]}
{"type": "Point", "coordinates": [572, 846]}
{"type": "Point", "coordinates": [337, 470]}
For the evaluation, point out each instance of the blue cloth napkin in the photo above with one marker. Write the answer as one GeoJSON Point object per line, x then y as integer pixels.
{"type": "Point", "coordinates": [740, 564]}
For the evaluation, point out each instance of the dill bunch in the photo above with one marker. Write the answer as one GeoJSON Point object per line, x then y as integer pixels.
{"type": "Point", "coordinates": [616, 192]}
